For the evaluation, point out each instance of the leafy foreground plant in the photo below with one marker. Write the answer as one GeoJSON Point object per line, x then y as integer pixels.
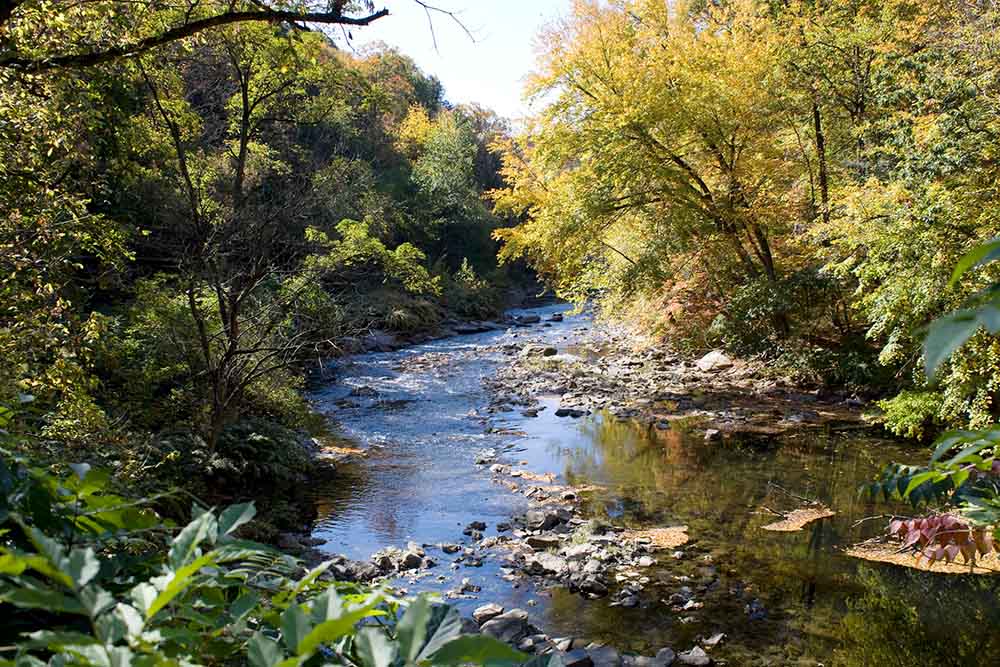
{"type": "Point", "coordinates": [93, 579]}
{"type": "Point", "coordinates": [963, 473]}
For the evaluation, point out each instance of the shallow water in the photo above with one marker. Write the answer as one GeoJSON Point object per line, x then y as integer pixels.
{"type": "Point", "coordinates": [780, 598]}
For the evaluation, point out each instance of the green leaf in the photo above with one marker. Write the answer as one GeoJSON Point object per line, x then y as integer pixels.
{"type": "Point", "coordinates": [374, 648]}
{"type": "Point", "coordinates": [917, 480]}
{"type": "Point", "coordinates": [235, 516]}
{"type": "Point", "coordinates": [191, 536]}
{"type": "Point", "coordinates": [263, 651]}
{"type": "Point", "coordinates": [295, 625]}
{"type": "Point", "coordinates": [412, 629]}
{"type": "Point", "coordinates": [332, 630]}
{"type": "Point", "coordinates": [945, 335]}
{"type": "Point", "coordinates": [243, 605]}
{"type": "Point", "coordinates": [443, 626]}
{"type": "Point", "coordinates": [477, 650]}
{"type": "Point", "coordinates": [180, 580]}
{"type": "Point", "coordinates": [981, 254]}
{"type": "Point", "coordinates": [33, 595]}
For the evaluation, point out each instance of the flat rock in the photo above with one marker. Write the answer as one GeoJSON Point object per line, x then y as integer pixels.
{"type": "Point", "coordinates": [487, 613]}
{"type": "Point", "coordinates": [508, 627]}
{"type": "Point", "coordinates": [695, 657]}
{"type": "Point", "coordinates": [716, 360]}
{"type": "Point", "coordinates": [542, 541]}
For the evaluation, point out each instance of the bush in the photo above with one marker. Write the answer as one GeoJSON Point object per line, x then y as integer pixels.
{"type": "Point", "coordinates": [91, 579]}
{"type": "Point", "coordinates": [911, 414]}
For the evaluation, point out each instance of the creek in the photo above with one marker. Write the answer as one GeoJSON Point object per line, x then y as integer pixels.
{"type": "Point", "coordinates": [420, 415]}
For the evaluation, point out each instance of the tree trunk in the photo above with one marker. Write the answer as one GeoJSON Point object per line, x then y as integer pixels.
{"type": "Point", "coordinates": [824, 187]}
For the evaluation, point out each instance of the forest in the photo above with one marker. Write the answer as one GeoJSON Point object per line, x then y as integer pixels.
{"type": "Point", "coordinates": [206, 204]}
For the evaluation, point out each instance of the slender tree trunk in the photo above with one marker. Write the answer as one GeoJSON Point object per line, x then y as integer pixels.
{"type": "Point", "coordinates": [824, 186]}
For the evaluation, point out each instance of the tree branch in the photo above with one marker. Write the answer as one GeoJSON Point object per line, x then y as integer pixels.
{"type": "Point", "coordinates": [187, 29]}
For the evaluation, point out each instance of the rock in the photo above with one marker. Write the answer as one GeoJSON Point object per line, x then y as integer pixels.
{"type": "Point", "coordinates": [579, 552]}
{"type": "Point", "coordinates": [755, 610]}
{"type": "Point", "coordinates": [593, 587]}
{"type": "Point", "coordinates": [468, 587]}
{"type": "Point", "coordinates": [716, 360]}
{"type": "Point", "coordinates": [604, 656]}
{"type": "Point", "coordinates": [410, 561]}
{"type": "Point", "coordinates": [556, 317]}
{"type": "Point", "coordinates": [577, 658]}
{"type": "Point", "coordinates": [713, 435]}
{"type": "Point", "coordinates": [546, 519]}
{"type": "Point", "coordinates": [646, 561]}
{"type": "Point", "coordinates": [384, 563]}
{"type": "Point", "coordinates": [487, 613]}
{"type": "Point", "coordinates": [474, 526]}
{"type": "Point", "coordinates": [571, 412]}
{"type": "Point", "coordinates": [415, 548]}
{"type": "Point", "coordinates": [450, 548]}
{"type": "Point", "coordinates": [714, 640]}
{"type": "Point", "coordinates": [542, 541]}
{"type": "Point", "coordinates": [503, 527]}
{"type": "Point", "coordinates": [550, 352]}
{"type": "Point", "coordinates": [545, 563]}
{"type": "Point", "coordinates": [469, 626]}
{"type": "Point", "coordinates": [665, 657]}
{"type": "Point", "coordinates": [380, 341]}
{"type": "Point", "coordinates": [527, 319]}
{"type": "Point", "coordinates": [509, 627]}
{"type": "Point", "coordinates": [695, 657]}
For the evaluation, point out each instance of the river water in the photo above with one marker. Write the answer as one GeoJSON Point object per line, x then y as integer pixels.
{"type": "Point", "coordinates": [421, 416]}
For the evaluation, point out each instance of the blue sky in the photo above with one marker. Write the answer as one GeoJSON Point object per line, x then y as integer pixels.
{"type": "Point", "coordinates": [490, 70]}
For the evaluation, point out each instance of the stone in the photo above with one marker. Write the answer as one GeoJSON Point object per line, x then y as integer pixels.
{"type": "Point", "coordinates": [550, 352]}
{"type": "Point", "coordinates": [696, 657]}
{"type": "Point", "coordinates": [544, 564]}
{"type": "Point", "coordinates": [508, 627]}
{"type": "Point", "coordinates": [487, 612]}
{"type": "Point", "coordinates": [475, 525]}
{"type": "Point", "coordinates": [415, 548]}
{"type": "Point", "coordinates": [556, 317]}
{"type": "Point", "coordinates": [571, 412]}
{"type": "Point", "coordinates": [593, 587]}
{"type": "Point", "coordinates": [410, 561]}
{"type": "Point", "coordinates": [646, 561]}
{"type": "Point", "coordinates": [542, 541]}
{"type": "Point", "coordinates": [713, 435]}
{"type": "Point", "coordinates": [604, 656]}
{"type": "Point", "coordinates": [579, 552]}
{"type": "Point", "coordinates": [546, 519]}
{"type": "Point", "coordinates": [665, 657]}
{"type": "Point", "coordinates": [716, 360]}
{"type": "Point", "coordinates": [577, 657]}
{"type": "Point", "coordinates": [714, 640]}
{"type": "Point", "coordinates": [450, 548]}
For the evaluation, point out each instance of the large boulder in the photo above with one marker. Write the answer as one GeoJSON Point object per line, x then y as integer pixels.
{"type": "Point", "coordinates": [716, 360]}
{"type": "Point", "coordinates": [509, 627]}
{"type": "Point", "coordinates": [487, 612]}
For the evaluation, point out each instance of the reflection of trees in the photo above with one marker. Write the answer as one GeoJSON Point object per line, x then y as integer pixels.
{"type": "Point", "coordinates": [906, 618]}
{"type": "Point", "coordinates": [668, 477]}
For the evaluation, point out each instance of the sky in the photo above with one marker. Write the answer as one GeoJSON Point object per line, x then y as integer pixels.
{"type": "Point", "coordinates": [490, 70]}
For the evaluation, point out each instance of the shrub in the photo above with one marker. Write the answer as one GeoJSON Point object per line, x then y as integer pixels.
{"type": "Point", "coordinates": [99, 580]}
{"type": "Point", "coordinates": [910, 414]}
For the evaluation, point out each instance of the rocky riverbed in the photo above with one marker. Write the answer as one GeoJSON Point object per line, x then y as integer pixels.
{"type": "Point", "coordinates": [571, 492]}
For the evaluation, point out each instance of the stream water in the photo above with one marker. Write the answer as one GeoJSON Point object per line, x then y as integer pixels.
{"type": "Point", "coordinates": [780, 598]}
